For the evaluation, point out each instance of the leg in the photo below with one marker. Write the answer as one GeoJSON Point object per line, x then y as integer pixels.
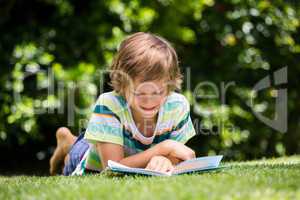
{"type": "Point", "coordinates": [65, 139]}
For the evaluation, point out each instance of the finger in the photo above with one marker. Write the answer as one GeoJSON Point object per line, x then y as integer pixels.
{"type": "Point", "coordinates": [170, 169]}
{"type": "Point", "coordinates": [174, 160]}
{"type": "Point", "coordinates": [149, 165]}
{"type": "Point", "coordinates": [152, 164]}
{"type": "Point", "coordinates": [165, 167]}
{"type": "Point", "coordinates": [192, 154]}
{"type": "Point", "coordinates": [158, 166]}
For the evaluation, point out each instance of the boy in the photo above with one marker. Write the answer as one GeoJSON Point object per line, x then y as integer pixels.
{"type": "Point", "coordinates": [141, 123]}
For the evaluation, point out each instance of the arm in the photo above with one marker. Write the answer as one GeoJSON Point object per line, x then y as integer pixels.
{"type": "Point", "coordinates": [174, 160]}
{"type": "Point", "coordinates": [115, 152]}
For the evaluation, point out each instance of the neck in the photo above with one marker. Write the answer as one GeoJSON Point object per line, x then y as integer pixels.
{"type": "Point", "coordinates": [140, 119]}
{"type": "Point", "coordinates": [145, 125]}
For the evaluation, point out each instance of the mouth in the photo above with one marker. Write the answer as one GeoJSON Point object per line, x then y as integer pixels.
{"type": "Point", "coordinates": [149, 109]}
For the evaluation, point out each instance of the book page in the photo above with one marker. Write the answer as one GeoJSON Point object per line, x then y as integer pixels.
{"type": "Point", "coordinates": [190, 166]}
{"type": "Point", "coordinates": [198, 164]}
{"type": "Point", "coordinates": [115, 164]}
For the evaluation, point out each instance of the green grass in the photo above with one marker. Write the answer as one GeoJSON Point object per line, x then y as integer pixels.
{"type": "Point", "coordinates": [263, 179]}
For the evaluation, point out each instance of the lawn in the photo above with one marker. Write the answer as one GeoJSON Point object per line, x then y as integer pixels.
{"type": "Point", "coordinates": [262, 179]}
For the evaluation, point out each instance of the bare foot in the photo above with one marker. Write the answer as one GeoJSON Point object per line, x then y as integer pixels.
{"type": "Point", "coordinates": [65, 139]}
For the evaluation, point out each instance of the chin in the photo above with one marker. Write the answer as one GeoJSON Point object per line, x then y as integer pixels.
{"type": "Point", "coordinates": [149, 114]}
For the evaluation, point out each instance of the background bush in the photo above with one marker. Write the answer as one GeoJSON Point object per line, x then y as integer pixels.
{"type": "Point", "coordinates": [220, 41]}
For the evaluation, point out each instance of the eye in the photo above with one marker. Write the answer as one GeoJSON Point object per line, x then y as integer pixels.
{"type": "Point", "coordinates": [138, 94]}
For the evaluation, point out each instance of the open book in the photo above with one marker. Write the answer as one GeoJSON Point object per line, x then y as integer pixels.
{"type": "Point", "coordinates": [188, 166]}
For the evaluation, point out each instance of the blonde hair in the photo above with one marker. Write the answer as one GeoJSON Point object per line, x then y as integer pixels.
{"type": "Point", "coordinates": [145, 56]}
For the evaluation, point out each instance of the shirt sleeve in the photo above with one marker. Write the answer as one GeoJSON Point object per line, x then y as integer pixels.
{"type": "Point", "coordinates": [104, 125]}
{"type": "Point", "coordinates": [184, 128]}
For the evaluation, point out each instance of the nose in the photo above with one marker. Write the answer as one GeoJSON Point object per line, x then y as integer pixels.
{"type": "Point", "coordinates": [147, 101]}
{"type": "Point", "coordinates": [152, 98]}
{"type": "Point", "coordinates": [150, 101]}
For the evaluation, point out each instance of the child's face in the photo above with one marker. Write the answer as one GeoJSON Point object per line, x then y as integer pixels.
{"type": "Point", "coordinates": [146, 97]}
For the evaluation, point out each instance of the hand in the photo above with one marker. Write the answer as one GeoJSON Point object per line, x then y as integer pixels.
{"type": "Point", "coordinates": [177, 150]}
{"type": "Point", "coordinates": [161, 164]}
{"type": "Point", "coordinates": [174, 160]}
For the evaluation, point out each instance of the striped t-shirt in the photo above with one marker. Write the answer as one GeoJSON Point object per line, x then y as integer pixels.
{"type": "Point", "coordinates": [112, 122]}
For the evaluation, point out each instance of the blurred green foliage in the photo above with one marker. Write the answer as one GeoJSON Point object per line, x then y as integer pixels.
{"type": "Point", "coordinates": [220, 41]}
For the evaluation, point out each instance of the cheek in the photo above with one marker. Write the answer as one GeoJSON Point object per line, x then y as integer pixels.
{"type": "Point", "coordinates": [137, 102]}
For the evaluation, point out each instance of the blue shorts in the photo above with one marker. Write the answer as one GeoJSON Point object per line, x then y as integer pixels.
{"type": "Point", "coordinates": [75, 154]}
